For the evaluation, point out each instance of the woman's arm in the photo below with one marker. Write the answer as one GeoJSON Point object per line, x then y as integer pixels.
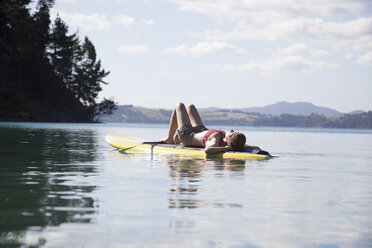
{"type": "Point", "coordinates": [252, 147]}
{"type": "Point", "coordinates": [212, 147]}
{"type": "Point", "coordinates": [210, 150]}
{"type": "Point", "coordinates": [256, 150]}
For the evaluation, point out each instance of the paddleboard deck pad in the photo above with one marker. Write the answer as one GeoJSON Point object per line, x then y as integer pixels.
{"type": "Point", "coordinates": [121, 141]}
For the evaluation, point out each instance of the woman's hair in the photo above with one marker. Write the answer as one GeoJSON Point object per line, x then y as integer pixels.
{"type": "Point", "coordinates": [238, 141]}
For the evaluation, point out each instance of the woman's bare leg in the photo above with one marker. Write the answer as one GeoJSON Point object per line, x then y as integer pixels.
{"type": "Point", "coordinates": [182, 115]}
{"type": "Point", "coordinates": [172, 127]}
{"type": "Point", "coordinates": [194, 116]}
{"type": "Point", "coordinates": [178, 119]}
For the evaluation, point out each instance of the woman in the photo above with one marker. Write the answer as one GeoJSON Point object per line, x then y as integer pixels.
{"type": "Point", "coordinates": [192, 133]}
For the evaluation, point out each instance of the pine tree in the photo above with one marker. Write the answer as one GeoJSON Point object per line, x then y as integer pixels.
{"type": "Point", "coordinates": [46, 74]}
{"type": "Point", "coordinates": [41, 25]}
{"type": "Point", "coordinates": [107, 106]}
{"type": "Point", "coordinates": [89, 75]}
{"type": "Point", "coordinates": [62, 52]}
{"type": "Point", "coordinates": [88, 80]}
{"type": "Point", "coordinates": [15, 19]}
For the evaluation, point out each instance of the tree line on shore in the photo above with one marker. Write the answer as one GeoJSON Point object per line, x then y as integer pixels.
{"type": "Point", "coordinates": [133, 114]}
{"type": "Point", "coordinates": [47, 74]}
{"type": "Point", "coordinates": [362, 121]}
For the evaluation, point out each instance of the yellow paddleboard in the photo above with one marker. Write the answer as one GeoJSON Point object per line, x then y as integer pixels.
{"type": "Point", "coordinates": [122, 141]}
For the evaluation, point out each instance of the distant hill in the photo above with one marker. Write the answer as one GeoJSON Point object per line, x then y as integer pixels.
{"type": "Point", "coordinates": [297, 108]}
{"type": "Point", "coordinates": [355, 112]}
{"type": "Point", "coordinates": [135, 114]}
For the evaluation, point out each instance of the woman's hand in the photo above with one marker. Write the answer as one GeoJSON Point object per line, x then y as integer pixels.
{"type": "Point", "coordinates": [173, 140]}
{"type": "Point", "coordinates": [168, 140]}
{"type": "Point", "coordinates": [176, 139]}
{"type": "Point", "coordinates": [259, 151]}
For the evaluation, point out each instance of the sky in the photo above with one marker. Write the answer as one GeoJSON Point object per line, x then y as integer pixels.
{"type": "Point", "coordinates": [230, 53]}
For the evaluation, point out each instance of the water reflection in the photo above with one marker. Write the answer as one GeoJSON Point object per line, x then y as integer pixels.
{"type": "Point", "coordinates": [187, 180]}
{"type": "Point", "coordinates": [43, 179]}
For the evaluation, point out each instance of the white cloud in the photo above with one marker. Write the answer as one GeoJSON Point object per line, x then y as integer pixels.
{"type": "Point", "coordinates": [132, 49]}
{"type": "Point", "coordinates": [148, 22]}
{"type": "Point", "coordinates": [66, 1]}
{"type": "Point", "coordinates": [300, 29]}
{"type": "Point", "coordinates": [294, 63]}
{"type": "Point", "coordinates": [126, 1]}
{"type": "Point", "coordinates": [301, 49]}
{"type": "Point", "coordinates": [288, 20]}
{"type": "Point", "coordinates": [365, 59]}
{"type": "Point", "coordinates": [86, 22]}
{"type": "Point", "coordinates": [181, 49]}
{"type": "Point", "coordinates": [124, 20]}
{"type": "Point", "coordinates": [243, 10]}
{"type": "Point", "coordinates": [204, 49]}
{"type": "Point", "coordinates": [300, 64]}
{"type": "Point", "coordinates": [297, 57]}
{"type": "Point", "coordinates": [349, 55]}
{"type": "Point", "coordinates": [363, 43]}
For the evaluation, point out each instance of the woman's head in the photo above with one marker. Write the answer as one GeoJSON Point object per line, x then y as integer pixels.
{"type": "Point", "coordinates": [236, 140]}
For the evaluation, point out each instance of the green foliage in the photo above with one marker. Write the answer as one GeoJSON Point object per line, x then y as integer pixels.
{"type": "Point", "coordinates": [107, 107]}
{"type": "Point", "coordinates": [41, 23]}
{"type": "Point", "coordinates": [61, 52]}
{"type": "Point", "coordinates": [89, 75]}
{"type": "Point", "coordinates": [45, 73]}
{"type": "Point", "coordinates": [363, 120]}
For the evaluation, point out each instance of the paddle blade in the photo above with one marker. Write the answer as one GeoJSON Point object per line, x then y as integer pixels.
{"type": "Point", "coordinates": [125, 142]}
{"type": "Point", "coordinates": [123, 136]}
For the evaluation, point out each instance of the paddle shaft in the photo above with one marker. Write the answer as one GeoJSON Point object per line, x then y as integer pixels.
{"type": "Point", "coordinates": [143, 143]}
{"type": "Point", "coordinates": [153, 142]}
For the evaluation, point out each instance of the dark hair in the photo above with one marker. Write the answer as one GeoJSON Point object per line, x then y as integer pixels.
{"type": "Point", "coordinates": [238, 141]}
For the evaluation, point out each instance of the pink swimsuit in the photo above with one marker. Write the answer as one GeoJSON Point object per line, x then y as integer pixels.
{"type": "Point", "coordinates": [210, 132]}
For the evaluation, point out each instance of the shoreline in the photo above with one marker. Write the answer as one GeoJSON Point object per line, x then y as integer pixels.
{"type": "Point", "coordinates": [166, 123]}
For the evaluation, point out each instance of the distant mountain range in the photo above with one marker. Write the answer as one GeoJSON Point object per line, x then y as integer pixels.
{"type": "Point", "coordinates": [297, 108]}
{"type": "Point", "coordinates": [283, 114]}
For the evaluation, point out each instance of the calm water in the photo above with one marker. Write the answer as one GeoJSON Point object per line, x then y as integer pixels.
{"type": "Point", "coordinates": [62, 185]}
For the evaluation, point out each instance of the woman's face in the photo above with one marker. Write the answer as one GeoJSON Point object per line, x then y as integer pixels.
{"type": "Point", "coordinates": [228, 136]}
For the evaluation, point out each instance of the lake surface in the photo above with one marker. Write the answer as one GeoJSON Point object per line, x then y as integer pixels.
{"type": "Point", "coordinates": [61, 185]}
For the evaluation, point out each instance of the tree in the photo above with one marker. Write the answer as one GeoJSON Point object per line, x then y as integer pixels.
{"type": "Point", "coordinates": [63, 52]}
{"type": "Point", "coordinates": [41, 25]}
{"type": "Point", "coordinates": [77, 66]}
{"type": "Point", "coordinates": [88, 79]}
{"type": "Point", "coordinates": [15, 19]}
{"type": "Point", "coordinates": [107, 106]}
{"type": "Point", "coordinates": [89, 75]}
{"type": "Point", "coordinates": [45, 73]}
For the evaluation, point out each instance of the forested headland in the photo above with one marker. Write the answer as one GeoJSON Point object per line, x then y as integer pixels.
{"type": "Point", "coordinates": [46, 73]}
